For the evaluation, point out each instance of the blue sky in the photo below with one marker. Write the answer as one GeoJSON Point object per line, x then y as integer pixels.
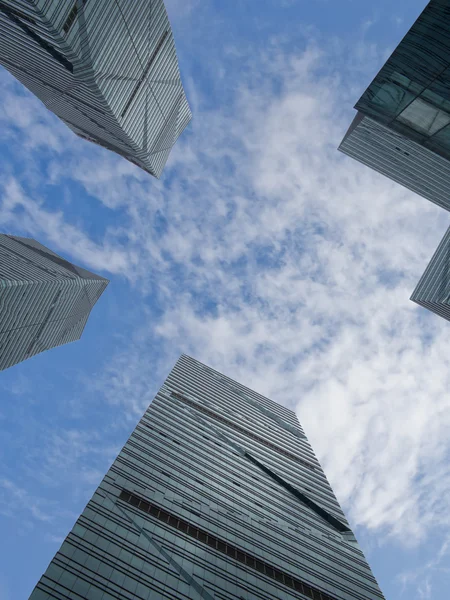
{"type": "Point", "coordinates": [262, 252]}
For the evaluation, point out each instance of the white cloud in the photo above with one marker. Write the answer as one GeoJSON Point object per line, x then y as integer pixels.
{"type": "Point", "coordinates": [14, 499]}
{"type": "Point", "coordinates": [287, 266]}
{"type": "Point", "coordinates": [308, 260]}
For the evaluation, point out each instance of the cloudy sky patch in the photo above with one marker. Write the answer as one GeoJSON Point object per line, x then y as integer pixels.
{"type": "Point", "coordinates": [262, 252]}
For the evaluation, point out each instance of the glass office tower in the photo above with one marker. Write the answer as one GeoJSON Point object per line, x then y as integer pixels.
{"type": "Point", "coordinates": [217, 494]}
{"type": "Point", "coordinates": [402, 128]}
{"type": "Point", "coordinates": [45, 300]}
{"type": "Point", "coordinates": [108, 69]}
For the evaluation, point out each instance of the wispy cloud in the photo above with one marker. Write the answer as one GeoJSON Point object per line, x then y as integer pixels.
{"type": "Point", "coordinates": [14, 498]}
{"type": "Point", "coordinates": [290, 267]}
{"type": "Point", "coordinates": [422, 577]}
{"type": "Point", "coordinates": [276, 260]}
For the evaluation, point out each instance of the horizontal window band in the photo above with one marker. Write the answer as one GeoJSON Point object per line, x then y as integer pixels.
{"type": "Point", "coordinates": [224, 547]}
{"type": "Point", "coordinates": [221, 419]}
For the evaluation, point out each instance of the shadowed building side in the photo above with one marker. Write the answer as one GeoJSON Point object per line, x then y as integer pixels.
{"type": "Point", "coordinates": [45, 300]}
{"type": "Point", "coordinates": [109, 70]}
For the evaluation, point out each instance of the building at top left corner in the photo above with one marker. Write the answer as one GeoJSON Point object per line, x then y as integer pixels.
{"type": "Point", "coordinates": [108, 70]}
{"type": "Point", "coordinates": [45, 301]}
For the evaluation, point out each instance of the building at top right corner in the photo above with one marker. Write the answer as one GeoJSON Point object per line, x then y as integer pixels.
{"type": "Point", "coordinates": [402, 130]}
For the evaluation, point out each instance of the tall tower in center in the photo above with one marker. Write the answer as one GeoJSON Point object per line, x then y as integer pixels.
{"type": "Point", "coordinates": [217, 494]}
{"type": "Point", "coordinates": [108, 69]}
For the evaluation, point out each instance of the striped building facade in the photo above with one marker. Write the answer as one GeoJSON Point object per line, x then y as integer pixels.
{"type": "Point", "coordinates": [217, 494]}
{"type": "Point", "coordinates": [108, 69]}
{"type": "Point", "coordinates": [45, 301]}
{"type": "Point", "coordinates": [404, 161]}
{"type": "Point", "coordinates": [402, 128]}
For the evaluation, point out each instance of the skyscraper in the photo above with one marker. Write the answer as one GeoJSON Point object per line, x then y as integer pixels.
{"type": "Point", "coordinates": [45, 301]}
{"type": "Point", "coordinates": [107, 69]}
{"type": "Point", "coordinates": [217, 494]}
{"type": "Point", "coordinates": [402, 128]}
{"type": "Point", "coordinates": [433, 290]}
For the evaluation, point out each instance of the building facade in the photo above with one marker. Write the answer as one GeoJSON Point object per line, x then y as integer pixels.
{"type": "Point", "coordinates": [45, 301]}
{"type": "Point", "coordinates": [217, 494]}
{"type": "Point", "coordinates": [109, 70]}
{"type": "Point", "coordinates": [402, 128]}
{"type": "Point", "coordinates": [433, 290]}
